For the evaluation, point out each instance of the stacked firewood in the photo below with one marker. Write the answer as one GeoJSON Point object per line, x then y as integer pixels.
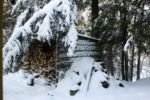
{"type": "Point", "coordinates": [41, 59]}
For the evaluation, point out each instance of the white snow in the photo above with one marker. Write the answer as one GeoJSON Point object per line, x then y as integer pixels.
{"type": "Point", "coordinates": [71, 40]}
{"type": "Point", "coordinates": [126, 46]}
{"type": "Point", "coordinates": [85, 42]}
{"type": "Point", "coordinates": [81, 54]}
{"type": "Point", "coordinates": [14, 48]}
{"type": "Point", "coordinates": [145, 70]}
{"type": "Point", "coordinates": [16, 88]}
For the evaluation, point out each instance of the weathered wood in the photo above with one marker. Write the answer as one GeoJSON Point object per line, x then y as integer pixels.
{"type": "Point", "coordinates": [85, 43]}
{"type": "Point", "coordinates": [69, 62]}
{"type": "Point", "coordinates": [81, 41]}
{"type": "Point", "coordinates": [86, 47]}
{"type": "Point", "coordinates": [72, 59]}
{"type": "Point", "coordinates": [83, 37]}
{"type": "Point", "coordinates": [41, 58]}
{"type": "Point", "coordinates": [79, 54]}
{"type": "Point", "coordinates": [80, 48]}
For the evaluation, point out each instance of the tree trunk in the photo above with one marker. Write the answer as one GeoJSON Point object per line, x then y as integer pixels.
{"type": "Point", "coordinates": [126, 66]}
{"type": "Point", "coordinates": [140, 43]}
{"type": "Point", "coordinates": [124, 32]}
{"type": "Point", "coordinates": [139, 60]}
{"type": "Point", "coordinates": [122, 66]}
{"type": "Point", "coordinates": [13, 2]}
{"type": "Point", "coordinates": [95, 11]}
{"type": "Point", "coordinates": [132, 64]}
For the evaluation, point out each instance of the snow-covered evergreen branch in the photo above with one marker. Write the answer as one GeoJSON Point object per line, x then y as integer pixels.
{"type": "Point", "coordinates": [58, 16]}
{"type": "Point", "coordinates": [126, 46]}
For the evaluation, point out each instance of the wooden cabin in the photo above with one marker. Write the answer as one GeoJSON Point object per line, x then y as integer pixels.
{"type": "Point", "coordinates": [48, 60]}
{"type": "Point", "coordinates": [86, 47]}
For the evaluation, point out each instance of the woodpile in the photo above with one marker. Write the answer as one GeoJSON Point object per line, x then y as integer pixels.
{"type": "Point", "coordinates": [41, 58]}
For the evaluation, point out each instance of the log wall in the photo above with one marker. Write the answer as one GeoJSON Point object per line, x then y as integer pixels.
{"type": "Point", "coordinates": [86, 47]}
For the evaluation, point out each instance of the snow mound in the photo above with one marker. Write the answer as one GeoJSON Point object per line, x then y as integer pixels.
{"type": "Point", "coordinates": [85, 76]}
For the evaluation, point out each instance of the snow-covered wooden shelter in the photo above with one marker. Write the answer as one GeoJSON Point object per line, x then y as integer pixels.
{"type": "Point", "coordinates": [43, 55]}
{"type": "Point", "coordinates": [86, 47]}
{"type": "Point", "coordinates": [31, 42]}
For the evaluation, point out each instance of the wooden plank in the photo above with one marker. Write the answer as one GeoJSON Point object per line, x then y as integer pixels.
{"type": "Point", "coordinates": [66, 51]}
{"type": "Point", "coordinates": [67, 58]}
{"type": "Point", "coordinates": [82, 37]}
{"type": "Point", "coordinates": [79, 54]}
{"type": "Point", "coordinates": [85, 43]}
{"type": "Point", "coordinates": [79, 42]}
{"type": "Point", "coordinates": [72, 59]}
{"type": "Point", "coordinates": [87, 48]}
{"type": "Point", "coordinates": [65, 65]}
{"type": "Point", "coordinates": [80, 48]}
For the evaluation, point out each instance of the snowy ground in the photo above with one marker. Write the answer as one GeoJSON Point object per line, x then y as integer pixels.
{"type": "Point", "coordinates": [16, 88]}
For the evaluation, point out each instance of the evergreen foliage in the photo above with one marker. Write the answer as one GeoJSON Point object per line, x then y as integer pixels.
{"type": "Point", "coordinates": [43, 20]}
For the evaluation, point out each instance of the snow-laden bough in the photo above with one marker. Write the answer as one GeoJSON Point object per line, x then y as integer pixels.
{"type": "Point", "coordinates": [56, 17]}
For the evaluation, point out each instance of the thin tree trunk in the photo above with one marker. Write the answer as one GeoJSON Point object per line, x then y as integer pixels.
{"type": "Point", "coordinates": [132, 64]}
{"type": "Point", "coordinates": [126, 66]}
{"type": "Point", "coordinates": [124, 27]}
{"type": "Point", "coordinates": [122, 66]}
{"type": "Point", "coordinates": [140, 43]}
{"type": "Point", "coordinates": [125, 39]}
{"type": "Point", "coordinates": [95, 11]}
{"type": "Point", "coordinates": [139, 61]}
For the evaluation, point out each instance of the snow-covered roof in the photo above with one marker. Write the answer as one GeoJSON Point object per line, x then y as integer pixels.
{"type": "Point", "coordinates": [85, 36]}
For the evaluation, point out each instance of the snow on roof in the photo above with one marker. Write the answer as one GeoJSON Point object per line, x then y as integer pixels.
{"type": "Point", "coordinates": [85, 36]}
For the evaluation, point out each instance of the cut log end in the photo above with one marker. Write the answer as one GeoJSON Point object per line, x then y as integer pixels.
{"type": "Point", "coordinates": [105, 84]}
{"type": "Point", "coordinates": [79, 83]}
{"type": "Point", "coordinates": [121, 85]}
{"type": "Point", "coordinates": [73, 92]}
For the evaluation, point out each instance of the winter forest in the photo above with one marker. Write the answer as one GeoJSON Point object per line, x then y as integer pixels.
{"type": "Point", "coordinates": [76, 49]}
